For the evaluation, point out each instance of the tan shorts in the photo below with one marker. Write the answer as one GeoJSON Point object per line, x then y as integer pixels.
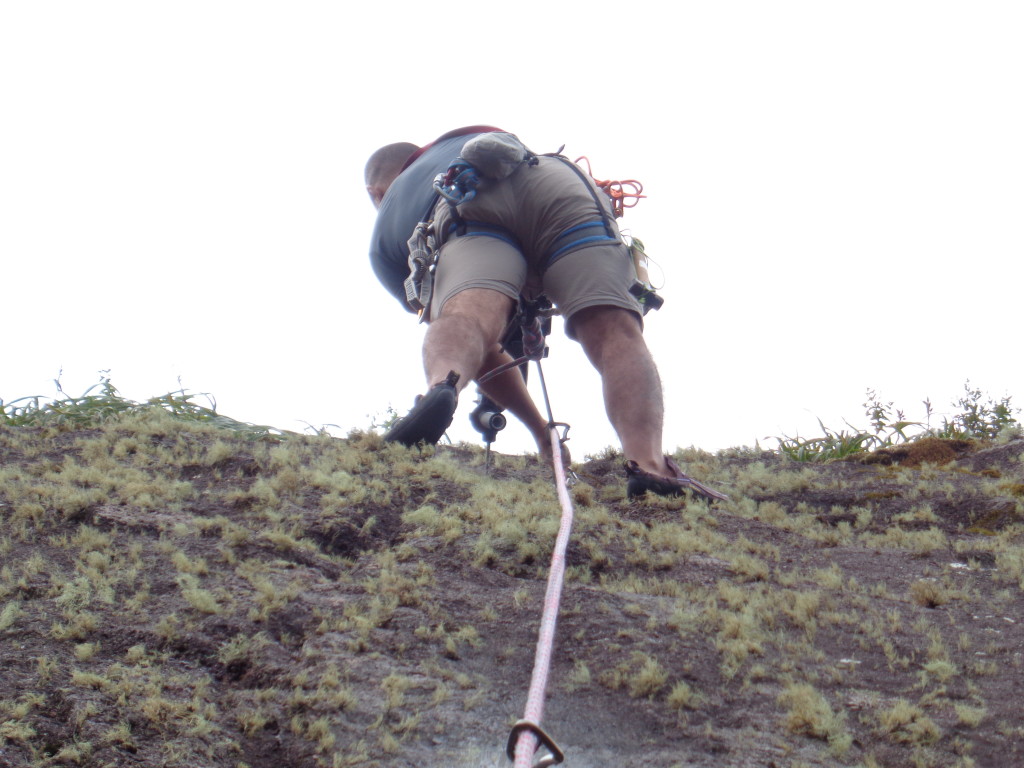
{"type": "Point", "coordinates": [539, 231]}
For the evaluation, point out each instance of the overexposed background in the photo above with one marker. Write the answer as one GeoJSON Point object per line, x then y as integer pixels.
{"type": "Point", "coordinates": [835, 198]}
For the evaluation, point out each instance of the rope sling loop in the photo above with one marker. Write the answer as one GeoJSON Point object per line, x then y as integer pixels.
{"type": "Point", "coordinates": [624, 194]}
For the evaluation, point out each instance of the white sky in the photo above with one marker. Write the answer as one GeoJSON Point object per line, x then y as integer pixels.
{"type": "Point", "coordinates": [835, 197]}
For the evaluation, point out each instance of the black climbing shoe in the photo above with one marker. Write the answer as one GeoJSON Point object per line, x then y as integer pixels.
{"type": "Point", "coordinates": [430, 416]}
{"type": "Point", "coordinates": [639, 482]}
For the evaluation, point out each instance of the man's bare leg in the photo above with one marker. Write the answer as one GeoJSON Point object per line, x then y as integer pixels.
{"type": "Point", "coordinates": [614, 343]}
{"type": "Point", "coordinates": [461, 338]}
{"type": "Point", "coordinates": [454, 349]}
{"type": "Point", "coordinates": [464, 339]}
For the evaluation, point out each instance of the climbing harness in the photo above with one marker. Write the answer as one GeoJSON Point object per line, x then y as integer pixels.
{"type": "Point", "coordinates": [492, 155]}
{"type": "Point", "coordinates": [499, 155]}
{"type": "Point", "coordinates": [495, 156]}
{"type": "Point", "coordinates": [624, 194]}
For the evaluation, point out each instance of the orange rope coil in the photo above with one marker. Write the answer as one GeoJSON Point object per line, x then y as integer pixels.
{"type": "Point", "coordinates": [624, 194]}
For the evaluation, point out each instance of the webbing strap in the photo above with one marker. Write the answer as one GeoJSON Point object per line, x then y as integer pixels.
{"type": "Point", "coordinates": [582, 234]}
{"type": "Point", "coordinates": [464, 228]}
{"type": "Point", "coordinates": [605, 223]}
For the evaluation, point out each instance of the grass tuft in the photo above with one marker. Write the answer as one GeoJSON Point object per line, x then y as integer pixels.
{"type": "Point", "coordinates": [102, 403]}
{"type": "Point", "coordinates": [979, 417]}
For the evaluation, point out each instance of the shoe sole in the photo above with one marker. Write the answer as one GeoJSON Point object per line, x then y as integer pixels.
{"type": "Point", "coordinates": [428, 420]}
{"type": "Point", "coordinates": [640, 482]}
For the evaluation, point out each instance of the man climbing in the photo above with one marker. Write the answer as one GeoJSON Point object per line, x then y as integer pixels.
{"type": "Point", "coordinates": [545, 227]}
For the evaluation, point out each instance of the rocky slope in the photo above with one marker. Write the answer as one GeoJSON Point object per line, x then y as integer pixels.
{"type": "Point", "coordinates": [177, 595]}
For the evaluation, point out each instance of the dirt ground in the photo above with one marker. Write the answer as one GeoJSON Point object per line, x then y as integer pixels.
{"type": "Point", "coordinates": [858, 613]}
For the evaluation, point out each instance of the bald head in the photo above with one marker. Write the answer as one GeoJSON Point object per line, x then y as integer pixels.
{"type": "Point", "coordinates": [383, 168]}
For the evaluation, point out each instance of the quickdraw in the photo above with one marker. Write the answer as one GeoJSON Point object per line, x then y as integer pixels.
{"type": "Point", "coordinates": [419, 285]}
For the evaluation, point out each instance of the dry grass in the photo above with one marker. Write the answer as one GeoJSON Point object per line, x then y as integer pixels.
{"type": "Point", "coordinates": [186, 595]}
